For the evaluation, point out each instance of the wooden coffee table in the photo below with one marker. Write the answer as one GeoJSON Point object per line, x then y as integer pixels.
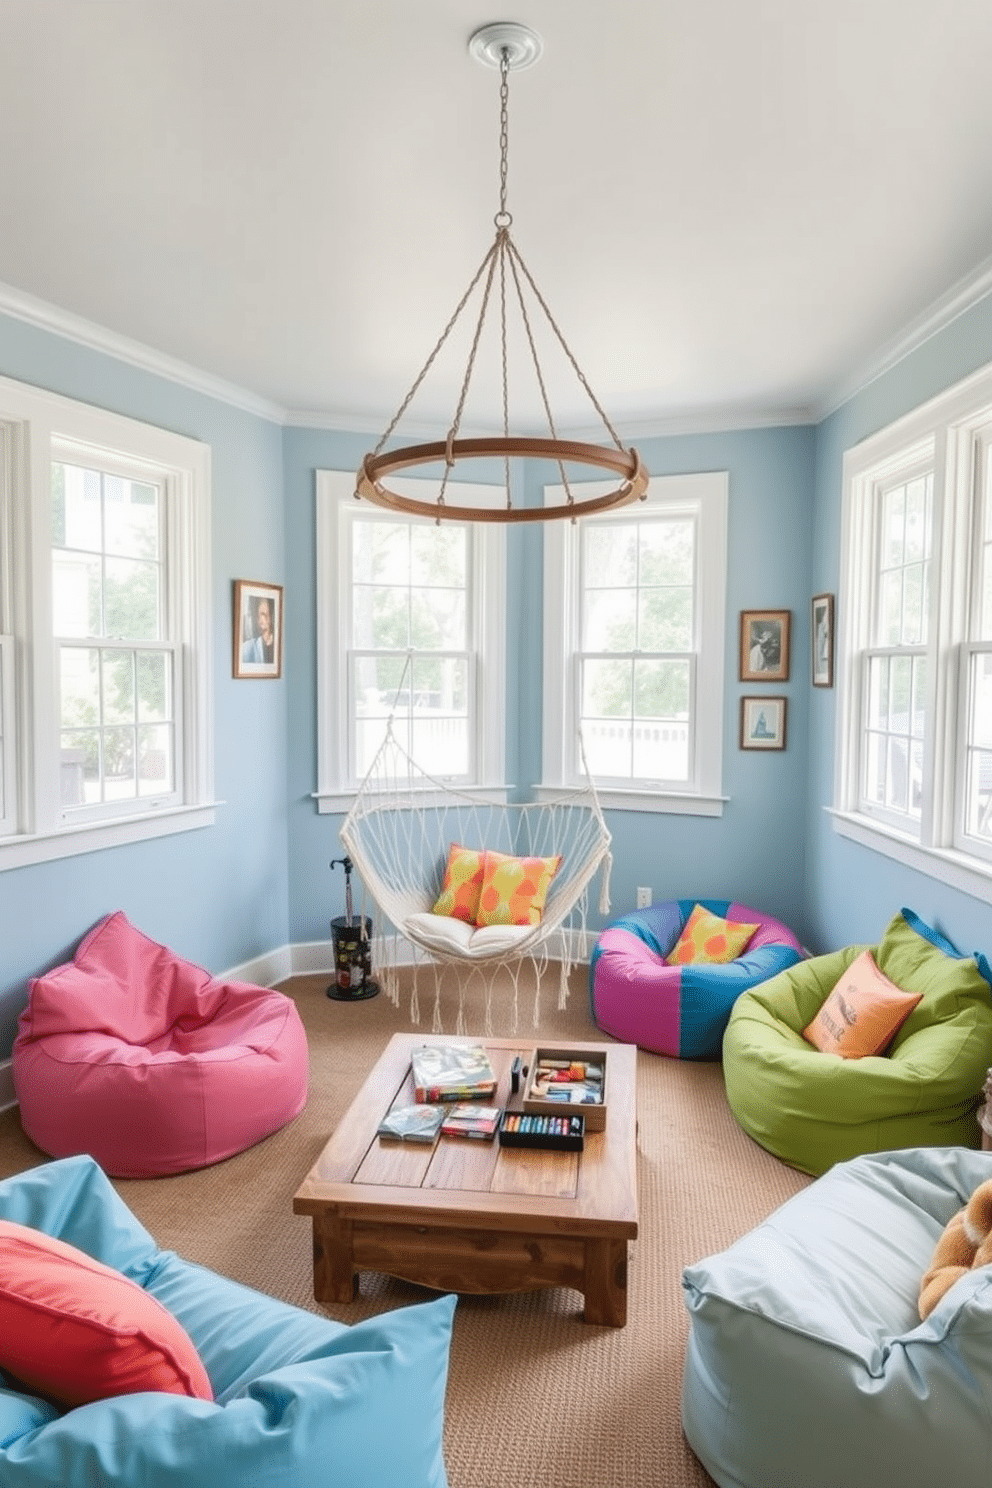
{"type": "Point", "coordinates": [470, 1216]}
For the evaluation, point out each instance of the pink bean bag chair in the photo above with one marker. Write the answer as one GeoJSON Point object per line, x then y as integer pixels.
{"type": "Point", "coordinates": [148, 1063]}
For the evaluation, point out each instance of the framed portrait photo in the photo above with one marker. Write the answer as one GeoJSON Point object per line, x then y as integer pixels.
{"type": "Point", "coordinates": [763, 722]}
{"type": "Point", "coordinates": [821, 631]}
{"type": "Point", "coordinates": [257, 629]}
{"type": "Point", "coordinates": [765, 645]}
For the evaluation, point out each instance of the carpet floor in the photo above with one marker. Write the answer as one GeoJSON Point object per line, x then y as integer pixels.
{"type": "Point", "coordinates": [534, 1395]}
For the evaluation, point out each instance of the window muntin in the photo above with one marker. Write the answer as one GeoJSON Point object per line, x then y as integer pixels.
{"type": "Point", "coordinates": [411, 618]}
{"type": "Point", "coordinates": [634, 641]}
{"type": "Point", "coordinates": [914, 718]}
{"type": "Point", "coordinates": [109, 618]}
{"type": "Point", "coordinates": [106, 619]}
{"type": "Point", "coordinates": [636, 664]}
{"type": "Point", "coordinates": [895, 660]}
{"type": "Point", "coordinates": [8, 749]}
{"type": "Point", "coordinates": [976, 684]}
{"type": "Point", "coordinates": [410, 653]}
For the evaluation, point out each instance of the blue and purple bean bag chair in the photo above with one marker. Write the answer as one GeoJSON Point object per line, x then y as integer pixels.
{"type": "Point", "coordinates": [683, 1010]}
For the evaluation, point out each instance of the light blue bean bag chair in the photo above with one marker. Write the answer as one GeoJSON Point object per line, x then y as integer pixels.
{"type": "Point", "coordinates": [299, 1399]}
{"type": "Point", "coordinates": [807, 1365]}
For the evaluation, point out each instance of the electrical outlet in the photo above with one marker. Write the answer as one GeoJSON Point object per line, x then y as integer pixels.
{"type": "Point", "coordinates": [643, 898]}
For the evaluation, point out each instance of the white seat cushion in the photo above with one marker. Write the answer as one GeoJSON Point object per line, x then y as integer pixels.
{"type": "Point", "coordinates": [451, 937]}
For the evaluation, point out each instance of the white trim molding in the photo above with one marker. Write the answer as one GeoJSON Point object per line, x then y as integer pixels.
{"type": "Point", "coordinates": [8, 1097]}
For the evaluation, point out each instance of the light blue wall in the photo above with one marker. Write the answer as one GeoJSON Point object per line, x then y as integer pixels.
{"type": "Point", "coordinates": [260, 877]}
{"type": "Point", "coordinates": [755, 852]}
{"type": "Point", "coordinates": [218, 895]}
{"type": "Point", "coordinates": [851, 892]}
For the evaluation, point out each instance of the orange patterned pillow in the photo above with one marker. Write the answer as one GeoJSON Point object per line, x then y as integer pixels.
{"type": "Point", "coordinates": [863, 1012]}
{"type": "Point", "coordinates": [459, 896]}
{"type": "Point", "coordinates": [708, 938]}
{"type": "Point", "coordinates": [514, 889]}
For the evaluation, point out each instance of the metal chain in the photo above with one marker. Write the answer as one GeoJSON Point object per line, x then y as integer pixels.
{"type": "Point", "coordinates": [502, 248]}
{"type": "Point", "coordinates": [503, 217]}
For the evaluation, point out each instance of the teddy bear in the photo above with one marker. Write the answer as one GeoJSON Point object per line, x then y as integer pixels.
{"type": "Point", "coordinates": [965, 1244]}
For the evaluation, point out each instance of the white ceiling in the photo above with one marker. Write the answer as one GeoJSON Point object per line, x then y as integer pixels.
{"type": "Point", "coordinates": [733, 208]}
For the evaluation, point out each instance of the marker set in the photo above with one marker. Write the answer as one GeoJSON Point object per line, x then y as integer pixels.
{"type": "Point", "coordinates": [565, 1133]}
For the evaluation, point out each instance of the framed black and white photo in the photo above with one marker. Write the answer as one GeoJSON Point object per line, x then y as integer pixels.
{"type": "Point", "coordinates": [257, 629]}
{"type": "Point", "coordinates": [822, 638]}
{"type": "Point", "coordinates": [763, 722]}
{"type": "Point", "coordinates": [764, 645]}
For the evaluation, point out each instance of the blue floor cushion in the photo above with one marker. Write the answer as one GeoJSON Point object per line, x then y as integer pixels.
{"type": "Point", "coordinates": [298, 1399]}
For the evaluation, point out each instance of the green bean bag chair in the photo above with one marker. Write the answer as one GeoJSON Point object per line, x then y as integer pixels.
{"type": "Point", "coordinates": [813, 1109]}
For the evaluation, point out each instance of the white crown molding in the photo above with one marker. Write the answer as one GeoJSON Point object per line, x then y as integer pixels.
{"type": "Point", "coordinates": [960, 298]}
{"type": "Point", "coordinates": [46, 317]}
{"type": "Point", "coordinates": [699, 421]}
{"type": "Point", "coordinates": [343, 423]}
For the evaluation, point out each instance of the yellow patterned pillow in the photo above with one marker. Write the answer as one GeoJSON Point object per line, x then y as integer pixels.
{"type": "Point", "coordinates": [459, 896]}
{"type": "Point", "coordinates": [514, 889]}
{"type": "Point", "coordinates": [707, 937]}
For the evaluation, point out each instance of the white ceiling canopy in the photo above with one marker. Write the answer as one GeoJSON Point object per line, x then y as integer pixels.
{"type": "Point", "coordinates": [734, 209]}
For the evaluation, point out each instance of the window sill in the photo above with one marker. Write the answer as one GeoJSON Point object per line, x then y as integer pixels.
{"type": "Point", "coordinates": [670, 803]}
{"type": "Point", "coordinates": [956, 869]}
{"type": "Point", "coordinates": [68, 842]}
{"type": "Point", "coordinates": [335, 802]}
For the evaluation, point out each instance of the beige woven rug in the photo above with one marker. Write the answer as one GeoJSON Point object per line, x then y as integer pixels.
{"type": "Point", "coordinates": [535, 1395]}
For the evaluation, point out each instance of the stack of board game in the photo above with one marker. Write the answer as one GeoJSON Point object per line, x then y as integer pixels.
{"type": "Point", "coordinates": [468, 1120]}
{"type": "Point", "coordinates": [411, 1123]}
{"type": "Point", "coordinates": [452, 1072]}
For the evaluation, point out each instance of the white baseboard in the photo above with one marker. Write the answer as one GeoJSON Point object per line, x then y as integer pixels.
{"type": "Point", "coordinates": [262, 971]}
{"type": "Point", "coordinates": [7, 1096]}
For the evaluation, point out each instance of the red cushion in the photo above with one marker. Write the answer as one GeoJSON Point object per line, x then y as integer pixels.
{"type": "Point", "coordinates": [74, 1330]}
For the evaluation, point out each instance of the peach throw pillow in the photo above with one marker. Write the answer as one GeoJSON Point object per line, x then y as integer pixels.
{"type": "Point", "coordinates": [863, 1012]}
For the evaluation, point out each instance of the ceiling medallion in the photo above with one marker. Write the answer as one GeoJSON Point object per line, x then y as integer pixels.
{"type": "Point", "coordinates": [506, 46]}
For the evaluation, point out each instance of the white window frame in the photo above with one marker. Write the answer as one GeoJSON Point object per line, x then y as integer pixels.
{"type": "Point", "coordinates": [37, 427]}
{"type": "Point", "coordinates": [704, 497]}
{"type": "Point", "coordinates": [950, 431]}
{"type": "Point", "coordinates": [8, 710]}
{"type": "Point", "coordinates": [336, 507]}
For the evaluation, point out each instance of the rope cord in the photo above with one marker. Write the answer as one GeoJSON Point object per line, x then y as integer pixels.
{"type": "Point", "coordinates": [567, 349]}
{"type": "Point", "coordinates": [402, 824]}
{"type": "Point", "coordinates": [440, 343]}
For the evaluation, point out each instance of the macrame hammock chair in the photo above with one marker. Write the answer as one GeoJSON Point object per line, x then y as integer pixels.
{"type": "Point", "coordinates": [398, 833]}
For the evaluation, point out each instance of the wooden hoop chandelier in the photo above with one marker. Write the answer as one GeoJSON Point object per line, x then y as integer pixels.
{"type": "Point", "coordinates": [504, 45]}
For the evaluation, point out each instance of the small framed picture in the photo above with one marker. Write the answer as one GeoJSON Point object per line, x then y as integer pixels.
{"type": "Point", "coordinates": [763, 722]}
{"type": "Point", "coordinates": [257, 629]}
{"type": "Point", "coordinates": [765, 645]}
{"type": "Point", "coordinates": [821, 631]}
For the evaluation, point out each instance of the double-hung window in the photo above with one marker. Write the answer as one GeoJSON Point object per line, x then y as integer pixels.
{"type": "Point", "coordinates": [105, 613]}
{"type": "Point", "coordinates": [119, 667]}
{"type": "Point", "coordinates": [410, 627]}
{"type": "Point", "coordinates": [914, 755]}
{"type": "Point", "coordinates": [634, 647]}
